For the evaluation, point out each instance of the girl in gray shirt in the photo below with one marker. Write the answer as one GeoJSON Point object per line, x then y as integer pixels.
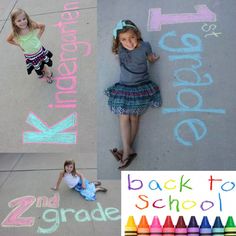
{"type": "Point", "coordinates": [135, 92]}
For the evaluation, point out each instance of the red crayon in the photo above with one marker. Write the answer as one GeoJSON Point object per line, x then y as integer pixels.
{"type": "Point", "coordinates": [143, 227]}
{"type": "Point", "coordinates": [168, 227]}
{"type": "Point", "coordinates": [155, 227]}
{"type": "Point", "coordinates": [181, 228]}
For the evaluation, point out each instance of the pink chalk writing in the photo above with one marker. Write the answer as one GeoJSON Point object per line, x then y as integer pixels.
{"type": "Point", "coordinates": [23, 204]}
{"type": "Point", "coordinates": [14, 218]}
{"type": "Point", "coordinates": [156, 19]}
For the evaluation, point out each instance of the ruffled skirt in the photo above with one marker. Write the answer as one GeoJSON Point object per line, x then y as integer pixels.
{"type": "Point", "coordinates": [89, 193]}
{"type": "Point", "coordinates": [36, 61]}
{"type": "Point", "coordinates": [133, 99]}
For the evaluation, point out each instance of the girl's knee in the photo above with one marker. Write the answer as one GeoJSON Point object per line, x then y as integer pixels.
{"type": "Point", "coordinates": [134, 118]}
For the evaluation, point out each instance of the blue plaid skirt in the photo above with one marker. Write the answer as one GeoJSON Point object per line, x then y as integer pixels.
{"type": "Point", "coordinates": [89, 193]}
{"type": "Point", "coordinates": [133, 99]}
{"type": "Point", "coordinates": [36, 61]}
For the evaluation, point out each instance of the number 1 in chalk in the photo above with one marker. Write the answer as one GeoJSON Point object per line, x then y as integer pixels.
{"type": "Point", "coordinates": [156, 19]}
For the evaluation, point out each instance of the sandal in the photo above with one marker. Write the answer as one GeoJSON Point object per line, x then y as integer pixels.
{"type": "Point", "coordinates": [116, 154]}
{"type": "Point", "coordinates": [101, 189]}
{"type": "Point", "coordinates": [127, 161]}
{"type": "Point", "coordinates": [96, 183]}
{"type": "Point", "coordinates": [49, 78]}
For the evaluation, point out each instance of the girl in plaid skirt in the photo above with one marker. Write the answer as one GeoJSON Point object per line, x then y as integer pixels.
{"type": "Point", "coordinates": [135, 92]}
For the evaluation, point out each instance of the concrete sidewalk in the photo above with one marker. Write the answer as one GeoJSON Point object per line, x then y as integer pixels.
{"type": "Point", "coordinates": [195, 128]}
{"type": "Point", "coordinates": [25, 181]}
{"type": "Point", "coordinates": [71, 35]}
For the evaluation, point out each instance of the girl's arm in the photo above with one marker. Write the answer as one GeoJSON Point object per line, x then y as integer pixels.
{"type": "Point", "coordinates": [41, 28]}
{"type": "Point", "coordinates": [152, 57]}
{"type": "Point", "coordinates": [11, 40]}
{"type": "Point", "coordinates": [58, 181]}
{"type": "Point", "coordinates": [82, 179]}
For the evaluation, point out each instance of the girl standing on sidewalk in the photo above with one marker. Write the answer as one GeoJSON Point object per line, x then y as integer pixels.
{"type": "Point", "coordinates": [135, 92]}
{"type": "Point", "coordinates": [26, 35]}
{"type": "Point", "coordinates": [76, 181]}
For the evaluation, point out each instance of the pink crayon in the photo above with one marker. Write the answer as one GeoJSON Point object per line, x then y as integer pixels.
{"type": "Point", "coordinates": [155, 227]}
{"type": "Point", "coordinates": [168, 227]}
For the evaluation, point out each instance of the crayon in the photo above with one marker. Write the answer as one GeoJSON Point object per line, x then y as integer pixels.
{"type": "Point", "coordinates": [193, 228]}
{"type": "Point", "coordinates": [205, 227]}
{"type": "Point", "coordinates": [155, 227]}
{"type": "Point", "coordinates": [131, 228]}
{"type": "Point", "coordinates": [143, 227]}
{"type": "Point", "coordinates": [230, 228]}
{"type": "Point", "coordinates": [218, 228]}
{"type": "Point", "coordinates": [181, 228]}
{"type": "Point", "coordinates": [168, 227]}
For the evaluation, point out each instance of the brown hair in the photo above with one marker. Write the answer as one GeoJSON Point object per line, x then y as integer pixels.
{"type": "Point", "coordinates": [70, 162]}
{"type": "Point", "coordinates": [14, 14]}
{"type": "Point", "coordinates": [116, 41]}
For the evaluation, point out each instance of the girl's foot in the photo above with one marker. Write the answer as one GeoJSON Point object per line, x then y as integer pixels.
{"type": "Point", "coordinates": [101, 189]}
{"type": "Point", "coordinates": [127, 161]}
{"type": "Point", "coordinates": [49, 78]}
{"type": "Point", "coordinates": [97, 183]}
{"type": "Point", "coordinates": [116, 153]}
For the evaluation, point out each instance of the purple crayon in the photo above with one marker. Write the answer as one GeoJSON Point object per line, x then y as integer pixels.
{"type": "Point", "coordinates": [193, 228]}
{"type": "Point", "coordinates": [155, 227]}
{"type": "Point", "coordinates": [181, 228]}
{"type": "Point", "coordinates": [205, 227]}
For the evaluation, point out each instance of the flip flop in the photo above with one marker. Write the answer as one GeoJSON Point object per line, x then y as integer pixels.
{"type": "Point", "coordinates": [97, 183]}
{"type": "Point", "coordinates": [101, 189]}
{"type": "Point", "coordinates": [128, 161]}
{"type": "Point", "coordinates": [49, 78]}
{"type": "Point", "coordinates": [116, 154]}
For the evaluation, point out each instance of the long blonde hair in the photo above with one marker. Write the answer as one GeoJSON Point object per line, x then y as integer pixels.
{"type": "Point", "coordinates": [16, 12]}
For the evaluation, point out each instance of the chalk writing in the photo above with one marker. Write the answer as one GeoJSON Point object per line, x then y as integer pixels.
{"type": "Point", "coordinates": [52, 134]}
{"type": "Point", "coordinates": [21, 204]}
{"type": "Point", "coordinates": [156, 19]}
{"type": "Point", "coordinates": [211, 27]}
{"type": "Point", "coordinates": [189, 100]}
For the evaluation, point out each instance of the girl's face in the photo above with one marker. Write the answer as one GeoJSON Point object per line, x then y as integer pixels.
{"type": "Point", "coordinates": [69, 168]}
{"type": "Point", "coordinates": [21, 21]}
{"type": "Point", "coordinates": [129, 40]}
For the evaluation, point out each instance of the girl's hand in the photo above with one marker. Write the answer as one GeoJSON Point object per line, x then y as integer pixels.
{"type": "Point", "coordinates": [153, 57]}
{"type": "Point", "coordinates": [83, 186]}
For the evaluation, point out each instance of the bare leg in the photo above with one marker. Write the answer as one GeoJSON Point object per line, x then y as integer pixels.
{"type": "Point", "coordinates": [101, 189]}
{"type": "Point", "coordinates": [47, 73]}
{"type": "Point", "coordinates": [134, 127]}
{"type": "Point", "coordinates": [125, 128]}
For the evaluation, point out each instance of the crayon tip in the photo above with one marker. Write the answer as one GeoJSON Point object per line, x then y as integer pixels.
{"type": "Point", "coordinates": [218, 223]}
{"type": "Point", "coordinates": [193, 222]}
{"type": "Point", "coordinates": [205, 223]}
{"type": "Point", "coordinates": [168, 223]}
{"type": "Point", "coordinates": [181, 222]}
{"type": "Point", "coordinates": [143, 222]}
{"type": "Point", "coordinates": [130, 222]}
{"type": "Point", "coordinates": [156, 222]}
{"type": "Point", "coordinates": [156, 227]}
{"type": "Point", "coordinates": [230, 222]}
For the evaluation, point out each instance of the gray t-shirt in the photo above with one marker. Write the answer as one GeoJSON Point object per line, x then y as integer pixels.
{"type": "Point", "coordinates": [133, 64]}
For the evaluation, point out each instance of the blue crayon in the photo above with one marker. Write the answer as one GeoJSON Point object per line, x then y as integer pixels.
{"type": "Point", "coordinates": [205, 227]}
{"type": "Point", "coordinates": [218, 228]}
{"type": "Point", "coordinates": [193, 228]}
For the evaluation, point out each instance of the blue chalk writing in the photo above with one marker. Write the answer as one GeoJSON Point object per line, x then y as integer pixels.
{"type": "Point", "coordinates": [185, 40]}
{"type": "Point", "coordinates": [52, 134]}
{"type": "Point", "coordinates": [208, 79]}
{"type": "Point", "coordinates": [197, 127]}
{"type": "Point", "coordinates": [195, 57]}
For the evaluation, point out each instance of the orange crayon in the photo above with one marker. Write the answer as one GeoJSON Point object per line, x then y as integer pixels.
{"type": "Point", "coordinates": [143, 227]}
{"type": "Point", "coordinates": [131, 228]}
